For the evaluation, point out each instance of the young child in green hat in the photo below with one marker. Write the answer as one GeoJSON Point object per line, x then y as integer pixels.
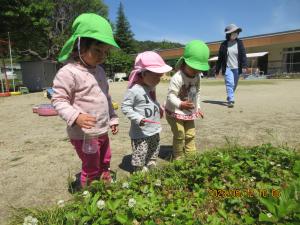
{"type": "Point", "coordinates": [183, 100]}
{"type": "Point", "coordinates": [81, 94]}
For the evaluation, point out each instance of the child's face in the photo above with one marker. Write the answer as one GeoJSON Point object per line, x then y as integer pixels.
{"type": "Point", "coordinates": [151, 79]}
{"type": "Point", "coordinates": [189, 71]}
{"type": "Point", "coordinates": [96, 54]}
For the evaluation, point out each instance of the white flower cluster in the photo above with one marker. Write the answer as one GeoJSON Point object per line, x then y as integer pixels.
{"type": "Point", "coordinates": [101, 204]}
{"type": "Point", "coordinates": [157, 183]}
{"type": "Point", "coordinates": [131, 202]}
{"type": "Point", "coordinates": [125, 185]}
{"type": "Point", "coordinates": [86, 194]}
{"type": "Point", "coordinates": [29, 220]}
{"type": "Point", "coordinates": [61, 203]}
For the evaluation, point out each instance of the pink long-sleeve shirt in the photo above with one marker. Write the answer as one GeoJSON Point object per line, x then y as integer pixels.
{"type": "Point", "coordinates": [78, 89]}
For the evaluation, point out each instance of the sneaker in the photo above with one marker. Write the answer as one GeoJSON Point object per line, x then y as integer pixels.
{"type": "Point", "coordinates": [106, 177]}
{"type": "Point", "coordinates": [145, 169]}
{"type": "Point", "coordinates": [177, 157]}
{"type": "Point", "coordinates": [142, 169]}
{"type": "Point", "coordinates": [230, 104]}
{"type": "Point", "coordinates": [151, 165]}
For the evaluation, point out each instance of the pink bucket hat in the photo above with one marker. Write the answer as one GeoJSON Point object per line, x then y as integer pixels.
{"type": "Point", "coordinates": [147, 61]}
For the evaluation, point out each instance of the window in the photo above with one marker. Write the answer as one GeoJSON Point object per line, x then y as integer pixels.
{"type": "Point", "coordinates": [291, 60]}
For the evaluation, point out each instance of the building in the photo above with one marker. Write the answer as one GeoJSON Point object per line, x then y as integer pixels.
{"type": "Point", "coordinates": [37, 75]}
{"type": "Point", "coordinates": [271, 53]}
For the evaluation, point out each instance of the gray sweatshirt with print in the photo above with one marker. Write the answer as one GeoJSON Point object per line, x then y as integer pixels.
{"type": "Point", "coordinates": [138, 105]}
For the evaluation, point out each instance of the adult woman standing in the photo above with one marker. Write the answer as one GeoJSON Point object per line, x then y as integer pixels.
{"type": "Point", "coordinates": [232, 60]}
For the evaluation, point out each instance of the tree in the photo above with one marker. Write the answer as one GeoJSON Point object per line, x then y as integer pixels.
{"type": "Point", "coordinates": [39, 28]}
{"type": "Point", "coordinates": [118, 61]}
{"type": "Point", "coordinates": [152, 46]}
{"type": "Point", "coordinates": [123, 34]}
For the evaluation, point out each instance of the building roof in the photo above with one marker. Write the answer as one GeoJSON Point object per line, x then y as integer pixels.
{"type": "Point", "coordinates": [250, 41]}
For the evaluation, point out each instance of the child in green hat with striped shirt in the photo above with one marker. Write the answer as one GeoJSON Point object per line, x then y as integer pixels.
{"type": "Point", "coordinates": [183, 100]}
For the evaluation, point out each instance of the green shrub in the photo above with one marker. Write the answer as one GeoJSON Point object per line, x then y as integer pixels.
{"type": "Point", "coordinates": [236, 185]}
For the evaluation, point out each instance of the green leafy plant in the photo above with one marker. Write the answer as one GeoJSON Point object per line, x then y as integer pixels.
{"type": "Point", "coordinates": [233, 185]}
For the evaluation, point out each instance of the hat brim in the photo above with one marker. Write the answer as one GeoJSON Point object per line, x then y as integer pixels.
{"type": "Point", "coordinates": [161, 69]}
{"type": "Point", "coordinates": [192, 64]}
{"type": "Point", "coordinates": [233, 30]}
{"type": "Point", "coordinates": [69, 45]}
{"type": "Point", "coordinates": [198, 65]}
{"type": "Point", "coordinates": [103, 39]}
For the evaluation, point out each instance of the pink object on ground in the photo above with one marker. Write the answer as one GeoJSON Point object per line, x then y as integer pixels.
{"type": "Point", "coordinates": [46, 110]}
{"type": "Point", "coordinates": [95, 165]}
{"type": "Point", "coordinates": [147, 61]}
{"type": "Point", "coordinates": [35, 108]}
{"type": "Point", "coordinates": [42, 106]}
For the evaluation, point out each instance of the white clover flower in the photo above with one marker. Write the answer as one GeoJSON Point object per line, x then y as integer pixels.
{"type": "Point", "coordinates": [86, 194]}
{"type": "Point", "coordinates": [34, 221]}
{"type": "Point", "coordinates": [272, 163]}
{"type": "Point", "coordinates": [157, 183]}
{"type": "Point", "coordinates": [173, 215]}
{"type": "Point", "coordinates": [61, 203]}
{"type": "Point", "coordinates": [278, 165]}
{"type": "Point", "coordinates": [135, 222]}
{"type": "Point", "coordinates": [131, 203]}
{"type": "Point", "coordinates": [101, 204]}
{"type": "Point", "coordinates": [125, 185]}
{"type": "Point", "coordinates": [269, 215]}
{"type": "Point", "coordinates": [29, 220]}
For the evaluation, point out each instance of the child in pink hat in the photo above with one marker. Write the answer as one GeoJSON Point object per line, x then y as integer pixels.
{"type": "Point", "coordinates": [143, 110]}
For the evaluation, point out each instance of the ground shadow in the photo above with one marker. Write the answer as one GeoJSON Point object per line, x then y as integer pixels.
{"type": "Point", "coordinates": [75, 185]}
{"type": "Point", "coordinates": [216, 102]}
{"type": "Point", "coordinates": [165, 152]}
{"type": "Point", "coordinates": [126, 164]}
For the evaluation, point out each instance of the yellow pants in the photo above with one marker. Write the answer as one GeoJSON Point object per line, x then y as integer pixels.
{"type": "Point", "coordinates": [183, 137]}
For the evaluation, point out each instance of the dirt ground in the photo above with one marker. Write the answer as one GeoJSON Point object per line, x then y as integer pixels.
{"type": "Point", "coordinates": [36, 158]}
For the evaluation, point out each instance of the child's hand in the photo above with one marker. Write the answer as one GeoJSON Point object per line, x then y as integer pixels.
{"type": "Point", "coordinates": [200, 113]}
{"type": "Point", "coordinates": [85, 121]}
{"type": "Point", "coordinates": [114, 129]}
{"type": "Point", "coordinates": [186, 105]}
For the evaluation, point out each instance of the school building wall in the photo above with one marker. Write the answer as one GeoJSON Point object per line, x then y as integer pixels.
{"type": "Point", "coordinates": [275, 44]}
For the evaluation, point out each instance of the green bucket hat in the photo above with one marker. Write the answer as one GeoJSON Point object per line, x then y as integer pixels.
{"type": "Point", "coordinates": [196, 54]}
{"type": "Point", "coordinates": [88, 25]}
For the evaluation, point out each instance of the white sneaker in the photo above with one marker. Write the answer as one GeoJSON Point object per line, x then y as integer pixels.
{"type": "Point", "coordinates": [145, 169]}
{"type": "Point", "coordinates": [151, 164]}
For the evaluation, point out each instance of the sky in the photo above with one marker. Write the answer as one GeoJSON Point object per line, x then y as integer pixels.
{"type": "Point", "coordinates": [185, 20]}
